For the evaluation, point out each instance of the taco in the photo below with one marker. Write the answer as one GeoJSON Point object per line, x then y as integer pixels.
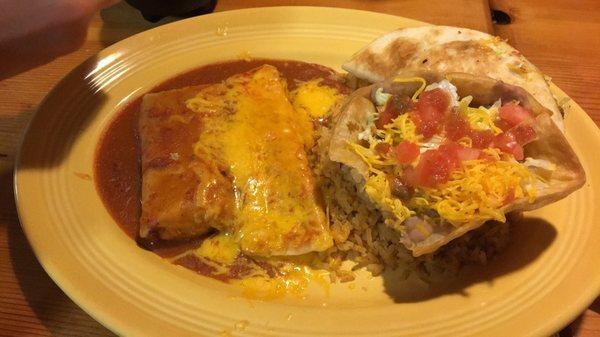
{"type": "Point", "coordinates": [451, 49]}
{"type": "Point", "coordinates": [439, 155]}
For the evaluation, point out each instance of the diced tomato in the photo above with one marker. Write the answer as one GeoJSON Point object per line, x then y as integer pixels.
{"type": "Point", "coordinates": [503, 125]}
{"type": "Point", "coordinates": [461, 153]}
{"type": "Point", "coordinates": [383, 149]}
{"type": "Point", "coordinates": [481, 139]}
{"type": "Point", "coordinates": [507, 143]}
{"type": "Point", "coordinates": [456, 126]}
{"type": "Point", "coordinates": [467, 153]}
{"type": "Point", "coordinates": [524, 134]}
{"type": "Point", "coordinates": [436, 99]}
{"type": "Point", "coordinates": [394, 107]}
{"type": "Point", "coordinates": [434, 168]}
{"type": "Point", "coordinates": [431, 108]}
{"type": "Point", "coordinates": [514, 114]}
{"type": "Point", "coordinates": [513, 140]}
{"type": "Point", "coordinates": [407, 152]}
{"type": "Point", "coordinates": [428, 124]}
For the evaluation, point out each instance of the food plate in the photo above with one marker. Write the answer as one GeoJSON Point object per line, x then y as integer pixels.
{"type": "Point", "coordinates": [543, 280]}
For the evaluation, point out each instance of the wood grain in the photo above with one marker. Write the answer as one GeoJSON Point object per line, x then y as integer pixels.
{"type": "Point", "coordinates": [440, 12]}
{"type": "Point", "coordinates": [562, 39]}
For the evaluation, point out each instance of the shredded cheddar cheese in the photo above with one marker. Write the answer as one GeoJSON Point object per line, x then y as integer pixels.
{"type": "Point", "coordinates": [401, 128]}
{"type": "Point", "coordinates": [378, 189]}
{"type": "Point", "coordinates": [371, 158]}
{"type": "Point", "coordinates": [481, 118]}
{"type": "Point", "coordinates": [478, 190]}
{"type": "Point", "coordinates": [410, 80]}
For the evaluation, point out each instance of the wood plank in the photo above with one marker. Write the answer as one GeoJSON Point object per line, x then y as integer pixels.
{"type": "Point", "coordinates": [439, 12]}
{"type": "Point", "coordinates": [563, 39]}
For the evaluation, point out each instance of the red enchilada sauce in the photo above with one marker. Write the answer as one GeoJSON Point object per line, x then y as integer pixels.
{"type": "Point", "coordinates": [117, 163]}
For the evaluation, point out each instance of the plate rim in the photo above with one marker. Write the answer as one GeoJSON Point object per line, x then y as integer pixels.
{"type": "Point", "coordinates": [587, 296]}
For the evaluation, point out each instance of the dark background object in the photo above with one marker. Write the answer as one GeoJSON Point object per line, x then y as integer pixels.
{"type": "Point", "coordinates": [500, 18]}
{"type": "Point", "coordinates": [154, 10]}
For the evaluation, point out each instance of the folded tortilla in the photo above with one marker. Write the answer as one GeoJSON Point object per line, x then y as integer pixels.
{"type": "Point", "coordinates": [451, 49]}
{"type": "Point", "coordinates": [183, 196]}
{"type": "Point", "coordinates": [550, 145]}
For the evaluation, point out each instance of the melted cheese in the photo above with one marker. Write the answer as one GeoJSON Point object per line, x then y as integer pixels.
{"type": "Point", "coordinates": [294, 279]}
{"type": "Point", "coordinates": [253, 131]}
{"type": "Point", "coordinates": [221, 248]}
{"type": "Point", "coordinates": [314, 100]}
{"type": "Point", "coordinates": [294, 274]}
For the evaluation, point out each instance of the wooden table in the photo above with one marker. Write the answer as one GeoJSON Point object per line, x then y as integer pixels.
{"type": "Point", "coordinates": [561, 37]}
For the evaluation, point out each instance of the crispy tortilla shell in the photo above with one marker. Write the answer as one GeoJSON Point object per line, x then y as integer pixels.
{"type": "Point", "coordinates": [550, 145]}
{"type": "Point", "coordinates": [446, 49]}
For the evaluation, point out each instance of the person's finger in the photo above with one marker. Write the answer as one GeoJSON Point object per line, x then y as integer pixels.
{"type": "Point", "coordinates": [38, 31]}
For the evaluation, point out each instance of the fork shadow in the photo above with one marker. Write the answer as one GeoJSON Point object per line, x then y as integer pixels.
{"type": "Point", "coordinates": [529, 237]}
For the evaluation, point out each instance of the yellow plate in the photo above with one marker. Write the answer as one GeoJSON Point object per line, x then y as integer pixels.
{"type": "Point", "coordinates": [547, 276]}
